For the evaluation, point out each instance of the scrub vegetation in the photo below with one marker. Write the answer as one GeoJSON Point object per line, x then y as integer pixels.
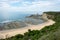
{"type": "Point", "coordinates": [51, 32]}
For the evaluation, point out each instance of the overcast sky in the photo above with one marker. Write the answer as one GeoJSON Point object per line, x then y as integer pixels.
{"type": "Point", "coordinates": [29, 5]}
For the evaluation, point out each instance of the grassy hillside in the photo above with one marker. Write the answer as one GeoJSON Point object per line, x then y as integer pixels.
{"type": "Point", "coordinates": [55, 33]}
{"type": "Point", "coordinates": [48, 33]}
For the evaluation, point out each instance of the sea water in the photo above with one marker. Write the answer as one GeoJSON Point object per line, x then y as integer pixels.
{"type": "Point", "coordinates": [12, 16]}
{"type": "Point", "coordinates": [9, 20]}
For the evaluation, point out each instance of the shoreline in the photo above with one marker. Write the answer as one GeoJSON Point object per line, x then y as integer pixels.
{"type": "Point", "coordinates": [13, 32]}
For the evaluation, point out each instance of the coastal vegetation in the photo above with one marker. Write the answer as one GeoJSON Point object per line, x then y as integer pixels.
{"type": "Point", "coordinates": [48, 33]}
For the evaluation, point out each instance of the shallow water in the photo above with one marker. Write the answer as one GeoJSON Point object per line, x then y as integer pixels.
{"type": "Point", "coordinates": [17, 20]}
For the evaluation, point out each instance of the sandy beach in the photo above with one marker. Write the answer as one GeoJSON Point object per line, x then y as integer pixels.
{"type": "Point", "coordinates": [13, 32]}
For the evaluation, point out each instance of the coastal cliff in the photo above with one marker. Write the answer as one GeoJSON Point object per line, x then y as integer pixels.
{"type": "Point", "coordinates": [10, 33]}
{"type": "Point", "coordinates": [44, 16]}
{"type": "Point", "coordinates": [47, 16]}
{"type": "Point", "coordinates": [50, 32]}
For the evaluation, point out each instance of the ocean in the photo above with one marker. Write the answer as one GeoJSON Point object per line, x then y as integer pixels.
{"type": "Point", "coordinates": [12, 17]}
{"type": "Point", "coordinates": [17, 20]}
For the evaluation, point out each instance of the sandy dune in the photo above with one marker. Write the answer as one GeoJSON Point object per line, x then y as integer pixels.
{"type": "Point", "coordinates": [9, 33]}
